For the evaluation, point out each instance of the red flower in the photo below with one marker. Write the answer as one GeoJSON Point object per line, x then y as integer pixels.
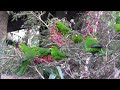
{"type": "Point", "coordinates": [39, 61]}
{"type": "Point", "coordinates": [56, 36]}
{"type": "Point", "coordinates": [44, 58]}
{"type": "Point", "coordinates": [49, 58]}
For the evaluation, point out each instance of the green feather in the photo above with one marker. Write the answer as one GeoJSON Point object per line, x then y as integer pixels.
{"type": "Point", "coordinates": [41, 51]}
{"type": "Point", "coordinates": [117, 27]}
{"type": "Point", "coordinates": [57, 54]}
{"type": "Point", "coordinates": [24, 47]}
{"type": "Point", "coordinates": [29, 54]}
{"type": "Point", "coordinates": [89, 42]}
{"type": "Point", "coordinates": [23, 68]}
{"type": "Point", "coordinates": [63, 28]}
{"type": "Point", "coordinates": [77, 38]}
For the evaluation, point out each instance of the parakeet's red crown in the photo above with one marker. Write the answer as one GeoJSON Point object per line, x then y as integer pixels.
{"type": "Point", "coordinates": [89, 35]}
{"type": "Point", "coordinates": [86, 35]}
{"type": "Point", "coordinates": [51, 46]}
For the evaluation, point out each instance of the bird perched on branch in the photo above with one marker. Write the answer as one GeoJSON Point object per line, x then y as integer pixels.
{"type": "Point", "coordinates": [29, 54]}
{"type": "Point", "coordinates": [92, 45]}
{"type": "Point", "coordinates": [63, 28]}
{"type": "Point", "coordinates": [77, 38]}
{"type": "Point", "coordinates": [56, 53]}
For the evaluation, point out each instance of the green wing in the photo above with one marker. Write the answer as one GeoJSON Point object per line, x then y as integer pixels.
{"type": "Point", "coordinates": [23, 67]}
{"type": "Point", "coordinates": [56, 53]}
{"type": "Point", "coordinates": [41, 51]}
{"type": "Point", "coordinates": [24, 47]}
{"type": "Point", "coordinates": [89, 42]}
{"type": "Point", "coordinates": [77, 38]}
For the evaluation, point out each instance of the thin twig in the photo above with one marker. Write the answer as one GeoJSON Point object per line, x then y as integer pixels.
{"type": "Point", "coordinates": [39, 72]}
{"type": "Point", "coordinates": [39, 17]}
{"type": "Point", "coordinates": [69, 74]}
{"type": "Point", "coordinates": [5, 57]}
{"type": "Point", "coordinates": [108, 44]}
{"type": "Point", "coordinates": [113, 59]}
{"type": "Point", "coordinates": [110, 75]}
{"type": "Point", "coordinates": [48, 45]}
{"type": "Point", "coordinates": [108, 63]}
{"type": "Point", "coordinates": [18, 53]}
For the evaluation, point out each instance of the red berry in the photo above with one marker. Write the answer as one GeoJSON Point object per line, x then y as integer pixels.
{"type": "Point", "coordinates": [49, 58]}
{"type": "Point", "coordinates": [44, 58]}
{"type": "Point", "coordinates": [87, 22]}
{"type": "Point", "coordinates": [35, 61]}
{"type": "Point", "coordinates": [86, 35]}
{"type": "Point", "coordinates": [39, 61]}
{"type": "Point", "coordinates": [90, 29]}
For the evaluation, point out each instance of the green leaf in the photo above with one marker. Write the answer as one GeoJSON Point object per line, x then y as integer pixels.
{"type": "Point", "coordinates": [60, 72]}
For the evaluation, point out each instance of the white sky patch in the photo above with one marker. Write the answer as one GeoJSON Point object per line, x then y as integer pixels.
{"type": "Point", "coordinates": [16, 35]}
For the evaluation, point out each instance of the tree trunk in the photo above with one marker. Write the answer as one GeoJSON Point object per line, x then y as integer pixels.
{"type": "Point", "coordinates": [3, 25]}
{"type": "Point", "coordinates": [3, 29]}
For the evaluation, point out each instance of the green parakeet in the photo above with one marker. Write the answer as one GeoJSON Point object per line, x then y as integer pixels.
{"type": "Point", "coordinates": [56, 53]}
{"type": "Point", "coordinates": [29, 54]}
{"type": "Point", "coordinates": [117, 27]}
{"type": "Point", "coordinates": [23, 67]}
{"type": "Point", "coordinates": [24, 48]}
{"type": "Point", "coordinates": [92, 45]}
{"type": "Point", "coordinates": [77, 38]}
{"type": "Point", "coordinates": [63, 28]}
{"type": "Point", "coordinates": [42, 51]}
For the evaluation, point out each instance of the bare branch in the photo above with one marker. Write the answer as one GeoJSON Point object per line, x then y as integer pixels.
{"type": "Point", "coordinates": [39, 72]}
{"type": "Point", "coordinates": [39, 17]}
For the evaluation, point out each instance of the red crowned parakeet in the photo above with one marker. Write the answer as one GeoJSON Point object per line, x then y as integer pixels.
{"type": "Point", "coordinates": [29, 54]}
{"type": "Point", "coordinates": [28, 57]}
{"type": "Point", "coordinates": [63, 28]}
{"type": "Point", "coordinates": [77, 38]}
{"type": "Point", "coordinates": [41, 51]}
{"type": "Point", "coordinates": [92, 45]}
{"type": "Point", "coordinates": [56, 53]}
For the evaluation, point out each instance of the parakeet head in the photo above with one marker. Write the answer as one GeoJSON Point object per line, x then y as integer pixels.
{"type": "Point", "coordinates": [50, 46]}
{"type": "Point", "coordinates": [88, 35]}
{"type": "Point", "coordinates": [53, 47]}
